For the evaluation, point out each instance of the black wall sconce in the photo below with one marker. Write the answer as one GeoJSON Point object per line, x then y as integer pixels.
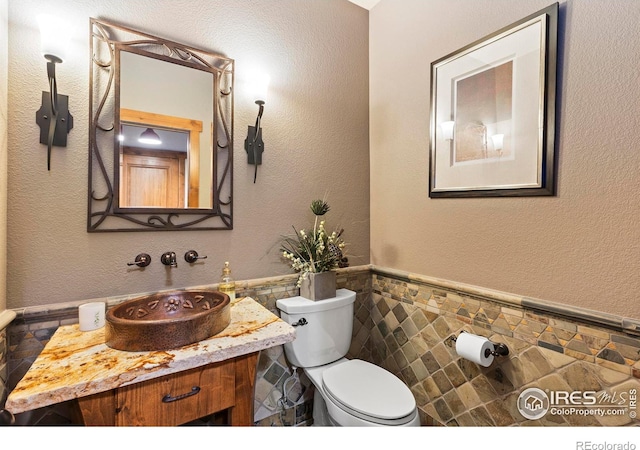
{"type": "Point", "coordinates": [53, 117]}
{"type": "Point", "coordinates": [253, 144]}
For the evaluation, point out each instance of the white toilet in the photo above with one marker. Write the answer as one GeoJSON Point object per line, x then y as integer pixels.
{"type": "Point", "coordinates": [348, 392]}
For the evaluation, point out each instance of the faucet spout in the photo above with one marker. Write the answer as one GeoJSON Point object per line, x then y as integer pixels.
{"type": "Point", "coordinates": [169, 259]}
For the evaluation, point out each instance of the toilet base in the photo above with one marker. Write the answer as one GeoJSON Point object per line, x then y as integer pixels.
{"type": "Point", "coordinates": [321, 417]}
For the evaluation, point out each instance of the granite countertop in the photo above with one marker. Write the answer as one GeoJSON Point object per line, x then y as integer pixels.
{"type": "Point", "coordinates": [76, 364]}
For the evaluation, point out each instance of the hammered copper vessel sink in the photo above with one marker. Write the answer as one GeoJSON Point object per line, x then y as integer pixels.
{"type": "Point", "coordinates": [167, 320]}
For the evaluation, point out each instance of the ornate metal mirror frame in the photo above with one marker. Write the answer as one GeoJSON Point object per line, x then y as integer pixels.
{"type": "Point", "coordinates": [105, 212]}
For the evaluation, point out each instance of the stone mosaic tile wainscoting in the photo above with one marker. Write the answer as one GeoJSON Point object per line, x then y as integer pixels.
{"type": "Point", "coordinates": [405, 323]}
{"type": "Point", "coordinates": [409, 325]}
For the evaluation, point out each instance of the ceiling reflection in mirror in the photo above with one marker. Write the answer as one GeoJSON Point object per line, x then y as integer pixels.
{"type": "Point", "coordinates": [181, 97]}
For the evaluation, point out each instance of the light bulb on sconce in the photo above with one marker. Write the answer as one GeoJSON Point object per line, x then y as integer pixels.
{"type": "Point", "coordinates": [53, 117]}
{"type": "Point", "coordinates": [54, 38]}
{"type": "Point", "coordinates": [498, 142]}
{"type": "Point", "coordinates": [447, 129]}
{"type": "Point", "coordinates": [258, 87]}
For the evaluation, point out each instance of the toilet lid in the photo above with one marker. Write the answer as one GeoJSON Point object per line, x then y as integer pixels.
{"type": "Point", "coordinates": [369, 389]}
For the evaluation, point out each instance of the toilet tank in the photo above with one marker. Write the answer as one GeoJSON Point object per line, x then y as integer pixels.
{"type": "Point", "coordinates": [326, 336]}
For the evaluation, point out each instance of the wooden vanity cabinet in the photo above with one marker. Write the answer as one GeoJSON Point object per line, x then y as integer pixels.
{"type": "Point", "coordinates": [178, 398]}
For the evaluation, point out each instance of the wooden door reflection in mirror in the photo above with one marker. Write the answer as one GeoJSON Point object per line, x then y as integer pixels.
{"type": "Point", "coordinates": [181, 136]}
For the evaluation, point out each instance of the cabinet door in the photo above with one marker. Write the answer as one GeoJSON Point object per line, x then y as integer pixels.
{"type": "Point", "coordinates": [178, 398]}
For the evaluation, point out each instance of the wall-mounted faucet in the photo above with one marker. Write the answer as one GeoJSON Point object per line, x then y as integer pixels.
{"type": "Point", "coordinates": [169, 259]}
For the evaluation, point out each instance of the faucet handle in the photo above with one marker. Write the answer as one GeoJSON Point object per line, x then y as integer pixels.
{"type": "Point", "coordinates": [142, 260]}
{"type": "Point", "coordinates": [192, 256]}
{"type": "Point", "coordinates": [169, 259]}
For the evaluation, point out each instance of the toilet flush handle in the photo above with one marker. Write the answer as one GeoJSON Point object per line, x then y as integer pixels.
{"type": "Point", "coordinates": [300, 323]}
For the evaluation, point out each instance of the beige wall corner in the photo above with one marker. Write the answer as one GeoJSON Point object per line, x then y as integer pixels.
{"type": "Point", "coordinates": [4, 36]}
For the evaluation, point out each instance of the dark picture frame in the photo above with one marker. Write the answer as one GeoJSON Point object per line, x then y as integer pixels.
{"type": "Point", "coordinates": [493, 102]}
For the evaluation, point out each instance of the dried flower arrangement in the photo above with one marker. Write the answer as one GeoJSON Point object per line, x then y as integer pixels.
{"type": "Point", "coordinates": [317, 250]}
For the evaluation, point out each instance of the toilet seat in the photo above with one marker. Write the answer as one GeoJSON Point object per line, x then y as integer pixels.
{"type": "Point", "coordinates": [369, 392]}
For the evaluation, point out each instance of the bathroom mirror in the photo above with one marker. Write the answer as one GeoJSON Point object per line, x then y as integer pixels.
{"type": "Point", "coordinates": [161, 136]}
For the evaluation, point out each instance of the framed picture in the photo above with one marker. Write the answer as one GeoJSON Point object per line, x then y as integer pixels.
{"type": "Point", "coordinates": [493, 113]}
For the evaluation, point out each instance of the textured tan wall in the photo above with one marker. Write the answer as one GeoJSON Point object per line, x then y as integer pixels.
{"type": "Point", "coordinates": [314, 126]}
{"type": "Point", "coordinates": [578, 248]}
{"type": "Point", "coordinates": [3, 152]}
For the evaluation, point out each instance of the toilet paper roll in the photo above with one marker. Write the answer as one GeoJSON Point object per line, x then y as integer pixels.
{"type": "Point", "coordinates": [91, 316]}
{"type": "Point", "coordinates": [474, 348]}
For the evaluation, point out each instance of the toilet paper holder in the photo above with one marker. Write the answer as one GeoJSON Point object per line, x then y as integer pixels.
{"type": "Point", "coordinates": [499, 349]}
